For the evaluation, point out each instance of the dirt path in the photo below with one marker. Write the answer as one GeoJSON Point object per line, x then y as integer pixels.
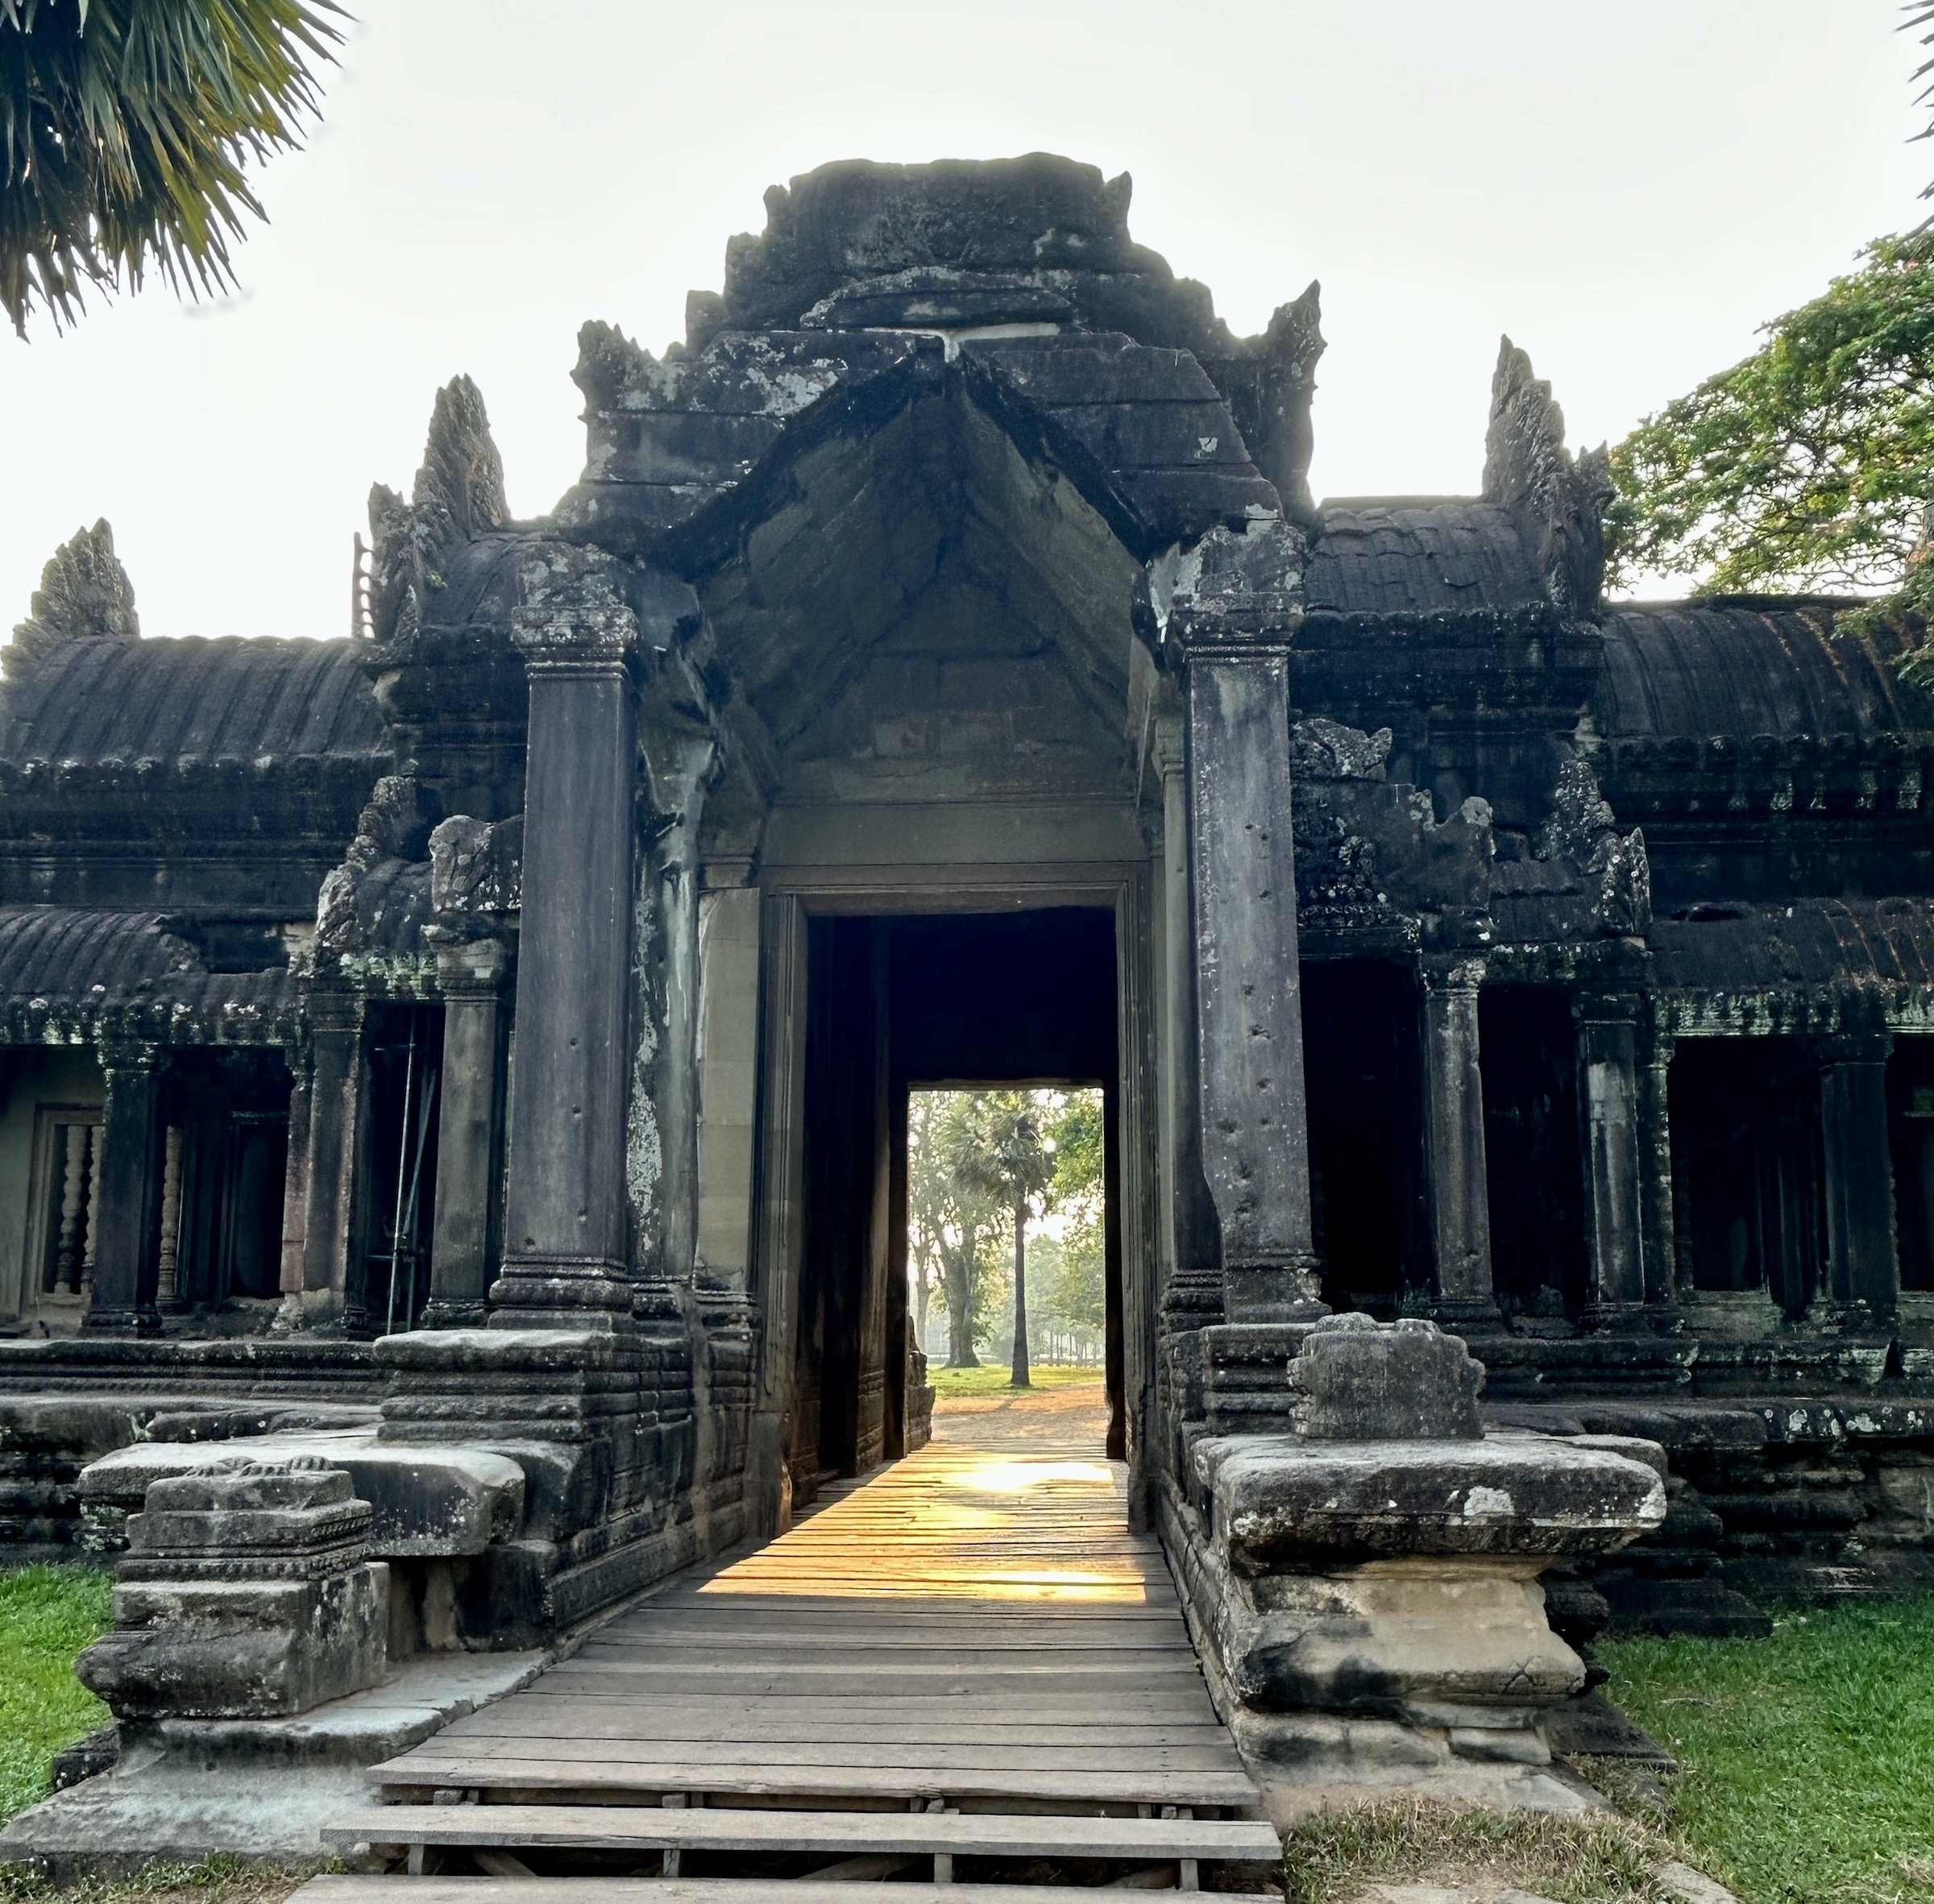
{"type": "Point", "coordinates": [1075, 1416]}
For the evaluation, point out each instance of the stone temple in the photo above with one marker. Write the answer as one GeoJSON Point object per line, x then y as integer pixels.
{"type": "Point", "coordinates": [491, 1031]}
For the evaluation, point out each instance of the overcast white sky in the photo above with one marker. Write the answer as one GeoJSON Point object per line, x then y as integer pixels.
{"type": "Point", "coordinates": [1628, 190]}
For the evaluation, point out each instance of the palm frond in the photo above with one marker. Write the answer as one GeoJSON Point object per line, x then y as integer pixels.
{"type": "Point", "coordinates": [127, 129]}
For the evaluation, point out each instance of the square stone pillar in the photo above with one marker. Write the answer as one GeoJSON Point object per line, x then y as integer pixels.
{"type": "Point", "coordinates": [470, 1125]}
{"type": "Point", "coordinates": [566, 1257]}
{"type": "Point", "coordinates": [1608, 1067]}
{"type": "Point", "coordinates": [1193, 1293]}
{"type": "Point", "coordinates": [337, 1091]}
{"type": "Point", "coordinates": [1454, 1142]}
{"type": "Point", "coordinates": [728, 1083]}
{"type": "Point", "coordinates": [1232, 621]}
{"type": "Point", "coordinates": [295, 1185]}
{"type": "Point", "coordinates": [1658, 1197]}
{"type": "Point", "coordinates": [127, 1199]}
{"type": "Point", "coordinates": [1862, 1270]}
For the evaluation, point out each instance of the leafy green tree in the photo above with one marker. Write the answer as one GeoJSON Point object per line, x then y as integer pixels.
{"type": "Point", "coordinates": [1002, 1151]}
{"type": "Point", "coordinates": [1067, 1271]}
{"type": "Point", "coordinates": [1081, 1151]}
{"type": "Point", "coordinates": [1811, 464]}
{"type": "Point", "coordinates": [127, 127]}
{"type": "Point", "coordinates": [952, 1220]}
{"type": "Point", "coordinates": [1073, 1284]}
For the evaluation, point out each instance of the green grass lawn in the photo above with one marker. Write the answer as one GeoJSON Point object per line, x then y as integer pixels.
{"type": "Point", "coordinates": [1808, 1758]}
{"type": "Point", "coordinates": [991, 1378]}
{"type": "Point", "coordinates": [46, 1616]}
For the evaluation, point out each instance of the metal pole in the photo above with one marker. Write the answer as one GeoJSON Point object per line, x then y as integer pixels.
{"type": "Point", "coordinates": [395, 1235]}
{"type": "Point", "coordinates": [426, 1099]}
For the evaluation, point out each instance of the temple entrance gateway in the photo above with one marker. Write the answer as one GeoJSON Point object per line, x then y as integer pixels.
{"type": "Point", "coordinates": [942, 676]}
{"type": "Point", "coordinates": [894, 1004]}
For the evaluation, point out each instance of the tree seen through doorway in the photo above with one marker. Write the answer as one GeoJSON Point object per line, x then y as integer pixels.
{"type": "Point", "coordinates": [999, 1183]}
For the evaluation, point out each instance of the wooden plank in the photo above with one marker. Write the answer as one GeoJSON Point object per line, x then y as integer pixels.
{"type": "Point", "coordinates": [884, 1682]}
{"type": "Point", "coordinates": [1215, 1789]}
{"type": "Point", "coordinates": [935, 1620]}
{"type": "Point", "coordinates": [839, 1833]}
{"type": "Point", "coordinates": [700, 1722]}
{"type": "Point", "coordinates": [954, 1664]}
{"type": "Point", "coordinates": [722, 1754]}
{"type": "Point", "coordinates": [345, 1888]}
{"type": "Point", "coordinates": [891, 1629]}
{"type": "Point", "coordinates": [839, 1706]}
{"type": "Point", "coordinates": [1059, 1662]}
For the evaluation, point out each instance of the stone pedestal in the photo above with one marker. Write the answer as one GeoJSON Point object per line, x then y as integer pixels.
{"type": "Point", "coordinates": [247, 1592]}
{"type": "Point", "coordinates": [1364, 1589]}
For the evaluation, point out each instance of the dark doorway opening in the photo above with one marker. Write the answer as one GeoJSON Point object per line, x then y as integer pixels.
{"type": "Point", "coordinates": [1910, 1126]}
{"type": "Point", "coordinates": [1746, 1146]}
{"type": "Point", "coordinates": [405, 1059]}
{"type": "Point", "coordinates": [1533, 1153]}
{"type": "Point", "coordinates": [1362, 1030]}
{"type": "Point", "coordinates": [224, 1170]}
{"type": "Point", "coordinates": [894, 1005]}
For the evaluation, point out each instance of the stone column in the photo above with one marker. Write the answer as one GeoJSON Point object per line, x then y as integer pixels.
{"type": "Point", "coordinates": [127, 1198]}
{"type": "Point", "coordinates": [1862, 1274]}
{"type": "Point", "coordinates": [1657, 1200]}
{"type": "Point", "coordinates": [469, 1123]}
{"type": "Point", "coordinates": [729, 1082]}
{"type": "Point", "coordinates": [565, 1260]}
{"type": "Point", "coordinates": [1608, 1044]}
{"type": "Point", "coordinates": [337, 1090]}
{"type": "Point", "coordinates": [295, 1182]}
{"type": "Point", "coordinates": [1233, 628]}
{"type": "Point", "coordinates": [1454, 1137]}
{"type": "Point", "coordinates": [1194, 1294]}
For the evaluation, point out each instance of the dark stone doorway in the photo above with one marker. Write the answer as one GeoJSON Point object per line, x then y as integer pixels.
{"type": "Point", "coordinates": [1746, 1150]}
{"type": "Point", "coordinates": [894, 1005]}
{"type": "Point", "coordinates": [1362, 1069]}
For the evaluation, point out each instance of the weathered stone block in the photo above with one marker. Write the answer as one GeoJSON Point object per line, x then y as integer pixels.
{"type": "Point", "coordinates": [1281, 1503]}
{"type": "Point", "coordinates": [243, 1650]}
{"type": "Point", "coordinates": [425, 1502]}
{"type": "Point", "coordinates": [1429, 1640]}
{"type": "Point", "coordinates": [247, 1592]}
{"type": "Point", "coordinates": [1361, 1380]}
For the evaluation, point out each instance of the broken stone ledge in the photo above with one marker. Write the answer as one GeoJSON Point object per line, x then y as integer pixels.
{"type": "Point", "coordinates": [425, 1502]}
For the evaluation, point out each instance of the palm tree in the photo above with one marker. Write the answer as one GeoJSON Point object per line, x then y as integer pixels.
{"type": "Point", "coordinates": [126, 127]}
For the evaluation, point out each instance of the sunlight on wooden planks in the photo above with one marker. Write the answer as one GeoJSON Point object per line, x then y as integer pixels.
{"type": "Point", "coordinates": [956, 1522]}
{"type": "Point", "coordinates": [975, 1624]}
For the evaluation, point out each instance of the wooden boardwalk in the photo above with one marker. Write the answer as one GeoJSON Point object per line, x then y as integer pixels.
{"type": "Point", "coordinates": [972, 1628]}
